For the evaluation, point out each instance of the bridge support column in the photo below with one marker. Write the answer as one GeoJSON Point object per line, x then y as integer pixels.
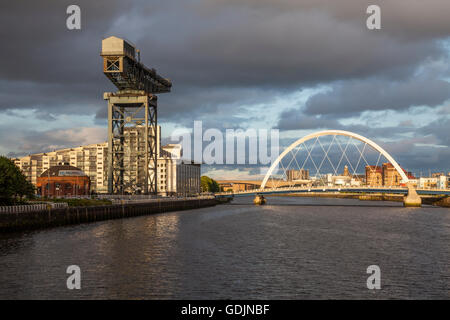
{"type": "Point", "coordinates": [259, 200]}
{"type": "Point", "coordinates": [412, 199]}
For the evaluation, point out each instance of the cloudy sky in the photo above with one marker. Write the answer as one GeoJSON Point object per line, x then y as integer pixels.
{"type": "Point", "coordinates": [296, 65]}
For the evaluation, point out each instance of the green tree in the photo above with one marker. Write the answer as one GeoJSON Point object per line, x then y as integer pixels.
{"type": "Point", "coordinates": [209, 185]}
{"type": "Point", "coordinates": [13, 183]}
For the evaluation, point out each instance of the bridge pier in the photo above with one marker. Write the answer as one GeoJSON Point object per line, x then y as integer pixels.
{"type": "Point", "coordinates": [412, 199]}
{"type": "Point", "coordinates": [259, 200]}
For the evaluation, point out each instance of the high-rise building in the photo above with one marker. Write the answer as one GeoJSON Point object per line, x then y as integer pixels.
{"type": "Point", "coordinates": [175, 176]}
{"type": "Point", "coordinates": [428, 183]}
{"type": "Point", "coordinates": [437, 174]}
{"type": "Point", "coordinates": [442, 182]}
{"type": "Point", "coordinates": [385, 175]}
{"type": "Point", "coordinates": [301, 174]}
{"type": "Point", "coordinates": [346, 172]}
{"type": "Point", "coordinates": [90, 159]}
{"type": "Point", "coordinates": [391, 177]}
{"type": "Point", "coordinates": [374, 176]}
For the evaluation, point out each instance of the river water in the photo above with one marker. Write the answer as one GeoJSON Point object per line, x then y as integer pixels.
{"type": "Point", "coordinates": [292, 248]}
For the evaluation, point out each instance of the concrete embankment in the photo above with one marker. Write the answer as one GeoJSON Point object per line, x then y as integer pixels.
{"type": "Point", "coordinates": [381, 197]}
{"type": "Point", "coordinates": [12, 222]}
{"type": "Point", "coordinates": [441, 201]}
{"type": "Point", "coordinates": [318, 195]}
{"type": "Point", "coordinates": [358, 196]}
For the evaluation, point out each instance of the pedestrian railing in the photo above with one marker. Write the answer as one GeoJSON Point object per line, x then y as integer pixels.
{"type": "Point", "coordinates": [165, 199]}
{"type": "Point", "coordinates": [126, 197]}
{"type": "Point", "coordinates": [32, 207]}
{"type": "Point", "coordinates": [75, 197]}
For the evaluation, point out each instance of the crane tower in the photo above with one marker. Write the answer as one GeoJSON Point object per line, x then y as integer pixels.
{"type": "Point", "coordinates": [132, 118]}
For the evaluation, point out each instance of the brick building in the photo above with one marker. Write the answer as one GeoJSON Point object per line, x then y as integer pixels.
{"type": "Point", "coordinates": [386, 176]}
{"type": "Point", "coordinates": [301, 174]}
{"type": "Point", "coordinates": [63, 180]}
{"type": "Point", "coordinates": [374, 176]}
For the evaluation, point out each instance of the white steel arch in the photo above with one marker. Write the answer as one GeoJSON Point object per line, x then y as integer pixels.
{"type": "Point", "coordinates": [338, 133]}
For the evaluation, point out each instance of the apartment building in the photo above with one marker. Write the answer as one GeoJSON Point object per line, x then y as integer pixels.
{"type": "Point", "coordinates": [175, 176]}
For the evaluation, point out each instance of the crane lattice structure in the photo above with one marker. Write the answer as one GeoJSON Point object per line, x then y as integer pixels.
{"type": "Point", "coordinates": [133, 136]}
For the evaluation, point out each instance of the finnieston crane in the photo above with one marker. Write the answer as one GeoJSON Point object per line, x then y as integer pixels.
{"type": "Point", "coordinates": [127, 73]}
{"type": "Point", "coordinates": [132, 167]}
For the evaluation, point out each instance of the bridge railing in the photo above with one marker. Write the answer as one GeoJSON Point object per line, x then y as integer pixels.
{"type": "Point", "coordinates": [310, 189]}
{"type": "Point", "coordinates": [332, 189]}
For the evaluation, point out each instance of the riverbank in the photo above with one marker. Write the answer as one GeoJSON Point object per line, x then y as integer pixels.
{"type": "Point", "coordinates": [358, 196]}
{"type": "Point", "coordinates": [436, 201]}
{"type": "Point", "coordinates": [13, 222]}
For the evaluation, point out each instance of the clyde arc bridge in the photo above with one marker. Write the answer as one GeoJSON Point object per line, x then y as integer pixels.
{"type": "Point", "coordinates": [337, 161]}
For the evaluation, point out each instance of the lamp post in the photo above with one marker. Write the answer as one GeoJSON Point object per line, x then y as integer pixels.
{"type": "Point", "coordinates": [48, 181]}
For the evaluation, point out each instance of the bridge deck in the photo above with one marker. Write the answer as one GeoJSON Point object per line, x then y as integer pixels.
{"type": "Point", "coordinates": [403, 191]}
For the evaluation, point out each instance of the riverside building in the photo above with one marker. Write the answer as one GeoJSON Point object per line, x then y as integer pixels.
{"type": "Point", "coordinates": [175, 175]}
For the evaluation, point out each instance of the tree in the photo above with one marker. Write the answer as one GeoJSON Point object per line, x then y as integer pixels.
{"type": "Point", "coordinates": [209, 185]}
{"type": "Point", "coordinates": [13, 183]}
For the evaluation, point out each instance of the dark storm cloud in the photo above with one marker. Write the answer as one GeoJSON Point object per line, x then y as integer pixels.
{"type": "Point", "coordinates": [440, 129]}
{"type": "Point", "coordinates": [235, 45]}
{"type": "Point", "coordinates": [225, 54]}
{"type": "Point", "coordinates": [44, 65]}
{"type": "Point", "coordinates": [59, 98]}
{"type": "Point", "coordinates": [353, 97]}
{"type": "Point", "coordinates": [412, 19]}
{"type": "Point", "coordinates": [218, 108]}
{"type": "Point", "coordinates": [418, 157]}
{"type": "Point", "coordinates": [30, 141]}
{"type": "Point", "coordinates": [278, 45]}
{"type": "Point", "coordinates": [413, 147]}
{"type": "Point", "coordinates": [295, 120]}
{"type": "Point", "coordinates": [186, 104]}
{"type": "Point", "coordinates": [209, 47]}
{"type": "Point", "coordinates": [38, 47]}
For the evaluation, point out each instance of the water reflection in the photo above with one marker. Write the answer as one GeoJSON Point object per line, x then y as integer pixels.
{"type": "Point", "coordinates": [292, 248]}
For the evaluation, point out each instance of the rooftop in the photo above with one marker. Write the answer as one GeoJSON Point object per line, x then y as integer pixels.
{"type": "Point", "coordinates": [63, 170]}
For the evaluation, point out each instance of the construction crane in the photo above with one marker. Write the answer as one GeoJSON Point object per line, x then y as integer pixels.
{"type": "Point", "coordinates": [133, 134]}
{"type": "Point", "coordinates": [128, 73]}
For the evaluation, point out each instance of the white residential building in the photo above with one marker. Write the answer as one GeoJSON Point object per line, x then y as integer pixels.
{"type": "Point", "coordinates": [175, 175]}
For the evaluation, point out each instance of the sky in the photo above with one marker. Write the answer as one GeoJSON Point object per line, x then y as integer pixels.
{"type": "Point", "coordinates": [299, 66]}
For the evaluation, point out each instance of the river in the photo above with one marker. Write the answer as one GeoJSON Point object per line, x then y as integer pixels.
{"type": "Point", "coordinates": [291, 248]}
